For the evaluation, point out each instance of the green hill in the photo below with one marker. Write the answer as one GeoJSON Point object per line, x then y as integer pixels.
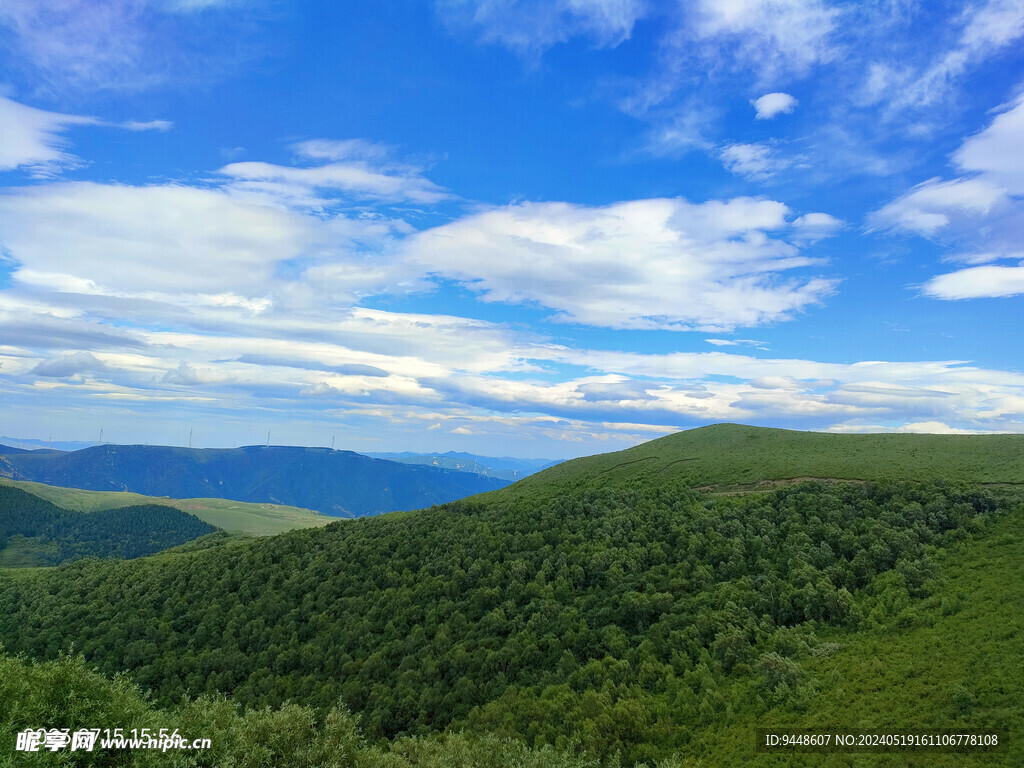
{"type": "Point", "coordinates": [945, 664]}
{"type": "Point", "coordinates": [607, 605]}
{"type": "Point", "coordinates": [233, 516]}
{"type": "Point", "coordinates": [732, 456]}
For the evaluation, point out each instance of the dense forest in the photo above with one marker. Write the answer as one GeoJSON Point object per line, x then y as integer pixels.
{"type": "Point", "coordinates": [292, 736]}
{"type": "Point", "coordinates": [34, 532]}
{"type": "Point", "coordinates": [615, 618]}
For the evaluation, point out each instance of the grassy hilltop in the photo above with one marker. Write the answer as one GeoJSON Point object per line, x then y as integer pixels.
{"type": "Point", "coordinates": [725, 456]}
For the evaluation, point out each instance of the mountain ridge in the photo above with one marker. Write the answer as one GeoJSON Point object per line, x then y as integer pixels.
{"type": "Point", "coordinates": [336, 483]}
{"type": "Point", "coordinates": [502, 467]}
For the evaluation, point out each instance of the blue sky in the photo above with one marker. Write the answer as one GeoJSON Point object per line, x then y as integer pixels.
{"type": "Point", "coordinates": [505, 226]}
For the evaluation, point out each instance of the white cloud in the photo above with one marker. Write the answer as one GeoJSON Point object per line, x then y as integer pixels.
{"type": "Point", "coordinates": [662, 263]}
{"type": "Point", "coordinates": [69, 365]}
{"type": "Point", "coordinates": [188, 375]}
{"type": "Point", "coordinates": [529, 27]}
{"type": "Point", "coordinates": [773, 104]}
{"type": "Point", "coordinates": [705, 45]}
{"type": "Point", "coordinates": [932, 205]}
{"type": "Point", "coordinates": [815, 226]}
{"type": "Point", "coordinates": [163, 239]}
{"type": "Point", "coordinates": [995, 152]}
{"type": "Point", "coordinates": [977, 282]}
{"type": "Point", "coordinates": [147, 125]}
{"type": "Point", "coordinates": [78, 40]}
{"type": "Point", "coordinates": [358, 169]}
{"type": "Point", "coordinates": [328, 366]}
{"type": "Point", "coordinates": [917, 427]}
{"type": "Point", "coordinates": [320, 339]}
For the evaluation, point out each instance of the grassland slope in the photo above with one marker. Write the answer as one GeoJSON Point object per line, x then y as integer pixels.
{"type": "Point", "coordinates": [737, 457]}
{"type": "Point", "coordinates": [250, 519]}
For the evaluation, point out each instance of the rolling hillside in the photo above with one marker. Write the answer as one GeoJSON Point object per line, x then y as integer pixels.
{"type": "Point", "coordinates": [599, 603]}
{"type": "Point", "coordinates": [232, 516]}
{"type": "Point", "coordinates": [337, 483]}
{"type": "Point", "coordinates": [950, 661]}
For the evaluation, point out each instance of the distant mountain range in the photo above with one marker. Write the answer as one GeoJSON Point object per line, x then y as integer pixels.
{"type": "Point", "coordinates": [35, 445]}
{"type": "Point", "coordinates": [339, 483]}
{"type": "Point", "coordinates": [504, 467]}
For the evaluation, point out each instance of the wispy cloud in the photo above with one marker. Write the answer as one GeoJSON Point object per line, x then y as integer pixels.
{"type": "Point", "coordinates": [356, 170]}
{"type": "Point", "coordinates": [33, 139]}
{"type": "Point", "coordinates": [737, 343]}
{"type": "Point", "coordinates": [358, 179]}
{"type": "Point", "coordinates": [346, 369]}
{"type": "Point", "coordinates": [529, 27]}
{"type": "Point", "coordinates": [75, 46]}
{"type": "Point", "coordinates": [984, 30]}
{"type": "Point", "coordinates": [772, 38]}
{"type": "Point", "coordinates": [932, 205]}
{"type": "Point", "coordinates": [753, 161]}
